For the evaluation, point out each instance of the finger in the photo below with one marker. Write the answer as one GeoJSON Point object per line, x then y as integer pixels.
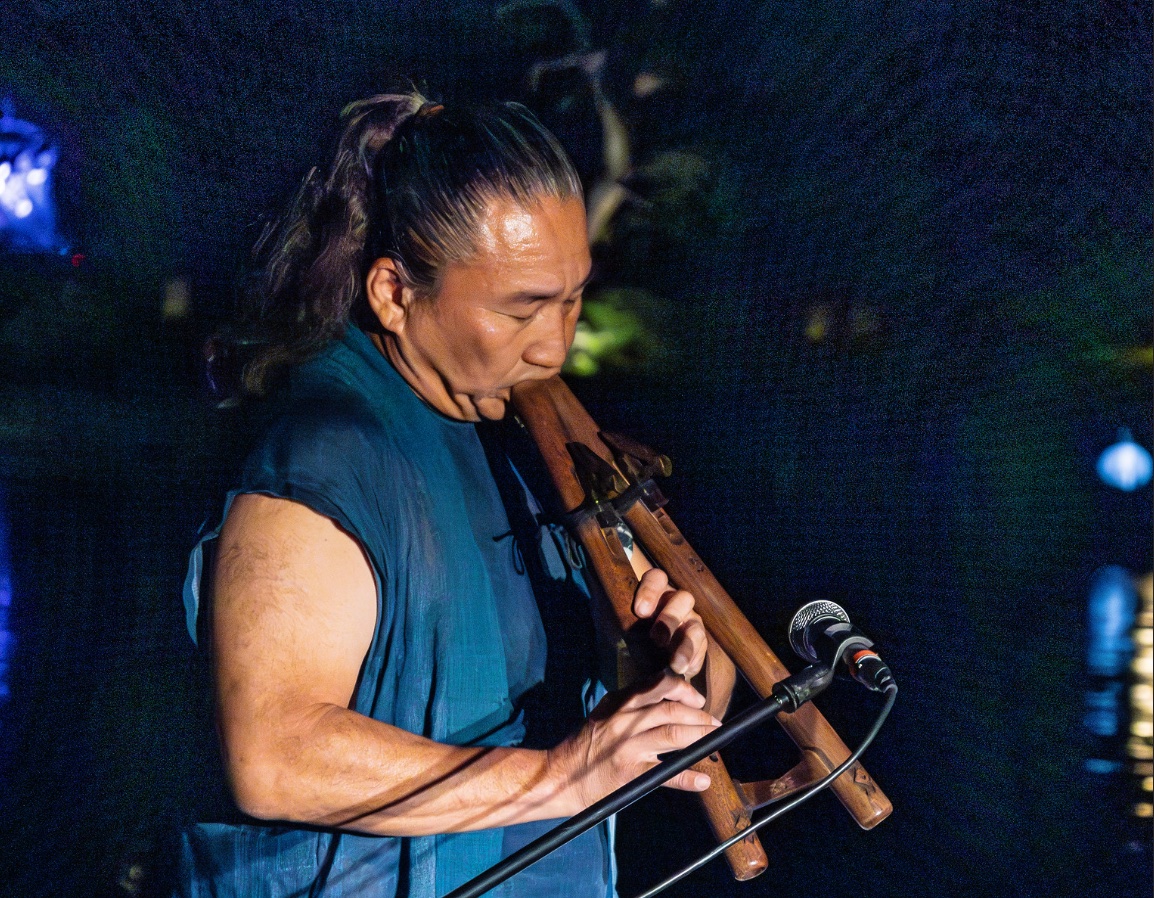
{"type": "Point", "coordinates": [667, 687]}
{"type": "Point", "coordinates": [688, 781]}
{"type": "Point", "coordinates": [653, 585]}
{"type": "Point", "coordinates": [676, 610]}
{"type": "Point", "coordinates": [640, 736]}
{"type": "Point", "coordinates": [689, 645]}
{"type": "Point", "coordinates": [669, 737]}
{"type": "Point", "coordinates": [661, 721]}
{"type": "Point", "coordinates": [654, 688]}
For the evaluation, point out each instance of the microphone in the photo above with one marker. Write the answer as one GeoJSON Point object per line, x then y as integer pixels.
{"type": "Point", "coordinates": [821, 633]}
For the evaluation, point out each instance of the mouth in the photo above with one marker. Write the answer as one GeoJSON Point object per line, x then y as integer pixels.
{"type": "Point", "coordinates": [542, 373]}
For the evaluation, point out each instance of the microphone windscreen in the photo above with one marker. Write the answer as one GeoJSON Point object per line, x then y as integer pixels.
{"type": "Point", "coordinates": [806, 615]}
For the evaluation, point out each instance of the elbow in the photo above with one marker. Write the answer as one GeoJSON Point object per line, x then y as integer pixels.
{"type": "Point", "coordinates": [274, 770]}
{"type": "Point", "coordinates": [256, 787]}
{"type": "Point", "coordinates": [271, 768]}
{"type": "Point", "coordinates": [263, 779]}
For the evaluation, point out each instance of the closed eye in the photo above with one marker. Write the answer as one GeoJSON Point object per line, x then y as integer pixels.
{"type": "Point", "coordinates": [566, 304]}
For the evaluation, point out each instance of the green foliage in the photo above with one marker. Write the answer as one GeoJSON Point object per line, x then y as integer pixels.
{"type": "Point", "coordinates": [616, 333]}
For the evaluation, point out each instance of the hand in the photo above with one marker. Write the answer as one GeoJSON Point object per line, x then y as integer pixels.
{"type": "Point", "coordinates": [676, 625]}
{"type": "Point", "coordinates": [624, 736]}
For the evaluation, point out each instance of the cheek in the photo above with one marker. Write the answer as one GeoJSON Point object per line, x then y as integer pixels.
{"type": "Point", "coordinates": [493, 342]}
{"type": "Point", "coordinates": [463, 336]}
{"type": "Point", "coordinates": [487, 351]}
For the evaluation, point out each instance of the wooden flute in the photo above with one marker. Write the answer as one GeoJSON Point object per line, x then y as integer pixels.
{"type": "Point", "coordinates": [604, 480]}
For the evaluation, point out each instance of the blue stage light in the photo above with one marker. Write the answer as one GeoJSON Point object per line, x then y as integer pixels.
{"type": "Point", "coordinates": [27, 207]}
{"type": "Point", "coordinates": [1112, 605]}
{"type": "Point", "coordinates": [1125, 465]}
{"type": "Point", "coordinates": [1103, 707]}
{"type": "Point", "coordinates": [7, 640]}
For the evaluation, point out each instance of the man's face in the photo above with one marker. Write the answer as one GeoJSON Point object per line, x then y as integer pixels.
{"type": "Point", "coordinates": [505, 316]}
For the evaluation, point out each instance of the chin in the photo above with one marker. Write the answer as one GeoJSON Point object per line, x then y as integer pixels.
{"type": "Point", "coordinates": [491, 408]}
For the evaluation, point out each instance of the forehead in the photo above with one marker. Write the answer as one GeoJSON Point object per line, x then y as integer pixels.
{"type": "Point", "coordinates": [532, 242]}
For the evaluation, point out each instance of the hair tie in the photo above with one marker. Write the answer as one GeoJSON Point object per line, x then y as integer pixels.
{"type": "Point", "coordinates": [427, 110]}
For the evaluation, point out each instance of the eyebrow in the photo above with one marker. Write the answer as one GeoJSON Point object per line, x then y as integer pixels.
{"type": "Point", "coordinates": [528, 297]}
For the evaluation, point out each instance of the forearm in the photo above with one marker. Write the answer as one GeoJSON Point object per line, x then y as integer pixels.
{"type": "Point", "coordinates": [295, 609]}
{"type": "Point", "coordinates": [334, 767]}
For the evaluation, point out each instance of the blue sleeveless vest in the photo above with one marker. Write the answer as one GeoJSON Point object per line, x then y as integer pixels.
{"type": "Point", "coordinates": [459, 644]}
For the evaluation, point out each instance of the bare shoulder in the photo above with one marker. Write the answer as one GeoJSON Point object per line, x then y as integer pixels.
{"type": "Point", "coordinates": [266, 535]}
{"type": "Point", "coordinates": [294, 601]}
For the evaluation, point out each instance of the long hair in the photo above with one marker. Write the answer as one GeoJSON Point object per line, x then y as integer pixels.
{"type": "Point", "coordinates": [410, 180]}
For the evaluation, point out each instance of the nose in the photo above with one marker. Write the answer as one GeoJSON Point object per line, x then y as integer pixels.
{"type": "Point", "coordinates": [550, 344]}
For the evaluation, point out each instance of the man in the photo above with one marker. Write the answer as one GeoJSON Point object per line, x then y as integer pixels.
{"type": "Point", "coordinates": [372, 641]}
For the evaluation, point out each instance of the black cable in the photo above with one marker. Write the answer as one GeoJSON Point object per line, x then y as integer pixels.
{"type": "Point", "coordinates": [891, 696]}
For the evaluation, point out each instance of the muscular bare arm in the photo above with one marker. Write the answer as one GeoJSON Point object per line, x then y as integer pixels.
{"type": "Point", "coordinates": [294, 613]}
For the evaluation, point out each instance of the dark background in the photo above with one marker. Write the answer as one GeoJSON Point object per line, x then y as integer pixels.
{"type": "Point", "coordinates": [894, 261]}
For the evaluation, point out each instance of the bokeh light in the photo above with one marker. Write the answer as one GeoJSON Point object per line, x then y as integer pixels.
{"type": "Point", "coordinates": [1125, 465]}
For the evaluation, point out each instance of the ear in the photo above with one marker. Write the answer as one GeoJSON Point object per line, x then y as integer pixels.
{"type": "Point", "coordinates": [388, 297]}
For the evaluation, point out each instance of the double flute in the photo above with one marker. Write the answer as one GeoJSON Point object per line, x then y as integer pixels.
{"type": "Point", "coordinates": [603, 480]}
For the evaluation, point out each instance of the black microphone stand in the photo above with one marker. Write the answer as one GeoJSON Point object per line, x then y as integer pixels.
{"type": "Point", "coordinates": [788, 695]}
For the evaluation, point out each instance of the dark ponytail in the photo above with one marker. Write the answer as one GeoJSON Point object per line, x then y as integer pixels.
{"type": "Point", "coordinates": [314, 256]}
{"type": "Point", "coordinates": [410, 180]}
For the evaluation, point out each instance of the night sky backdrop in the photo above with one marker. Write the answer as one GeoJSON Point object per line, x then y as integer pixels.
{"type": "Point", "coordinates": [893, 266]}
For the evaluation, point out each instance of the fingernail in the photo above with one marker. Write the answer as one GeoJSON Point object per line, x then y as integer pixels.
{"type": "Point", "coordinates": [701, 781]}
{"type": "Point", "coordinates": [644, 609]}
{"type": "Point", "coordinates": [716, 722]}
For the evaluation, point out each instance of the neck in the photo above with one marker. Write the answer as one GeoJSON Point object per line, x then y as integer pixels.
{"type": "Point", "coordinates": [430, 388]}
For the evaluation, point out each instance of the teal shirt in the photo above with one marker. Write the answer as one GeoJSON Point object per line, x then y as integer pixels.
{"type": "Point", "coordinates": [459, 649]}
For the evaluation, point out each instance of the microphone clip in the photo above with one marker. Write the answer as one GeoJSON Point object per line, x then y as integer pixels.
{"type": "Point", "coordinates": [797, 689]}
